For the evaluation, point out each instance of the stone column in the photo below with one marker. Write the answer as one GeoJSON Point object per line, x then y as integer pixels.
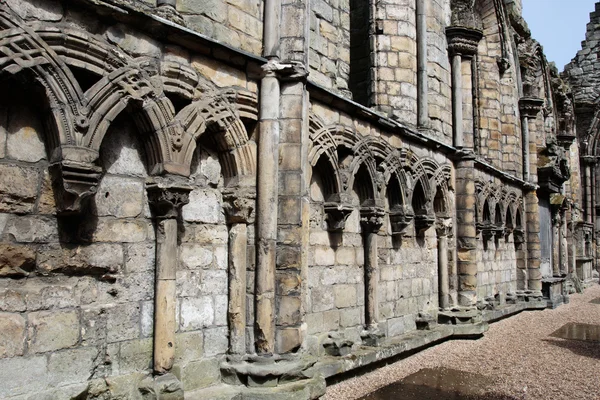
{"type": "Point", "coordinates": [371, 221]}
{"type": "Point", "coordinates": [166, 200]}
{"type": "Point", "coordinates": [462, 45]}
{"type": "Point", "coordinates": [564, 245]}
{"type": "Point", "coordinates": [266, 227]}
{"type": "Point", "coordinates": [466, 231]}
{"type": "Point", "coordinates": [556, 243]}
{"type": "Point", "coordinates": [529, 107]}
{"type": "Point", "coordinates": [589, 161]}
{"type": "Point", "coordinates": [534, 253]}
{"type": "Point", "coordinates": [239, 207]}
{"type": "Point", "coordinates": [422, 79]}
{"type": "Point", "coordinates": [521, 254]}
{"type": "Point", "coordinates": [443, 229]}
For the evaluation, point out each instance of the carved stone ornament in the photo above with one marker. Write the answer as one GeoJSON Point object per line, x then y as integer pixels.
{"type": "Point", "coordinates": [239, 205]}
{"type": "Point", "coordinates": [530, 106]}
{"type": "Point", "coordinates": [463, 41]}
{"type": "Point", "coordinates": [443, 227]}
{"type": "Point", "coordinates": [166, 9]}
{"type": "Point", "coordinates": [371, 218]}
{"type": "Point", "coordinates": [336, 215]}
{"type": "Point", "coordinates": [166, 200]}
{"type": "Point", "coordinates": [74, 183]}
{"type": "Point", "coordinates": [553, 167]}
{"type": "Point", "coordinates": [400, 219]}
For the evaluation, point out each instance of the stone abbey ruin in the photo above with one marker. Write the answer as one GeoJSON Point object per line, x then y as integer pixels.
{"type": "Point", "coordinates": [237, 199]}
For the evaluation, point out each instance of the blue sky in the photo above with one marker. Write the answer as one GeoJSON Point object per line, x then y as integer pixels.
{"type": "Point", "coordinates": [559, 25]}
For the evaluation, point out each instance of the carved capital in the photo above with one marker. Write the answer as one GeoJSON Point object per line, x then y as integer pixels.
{"type": "Point", "coordinates": [371, 219]}
{"type": "Point", "coordinates": [74, 183]}
{"type": "Point", "coordinates": [530, 106]}
{"type": "Point", "coordinates": [443, 227]}
{"type": "Point", "coordinates": [336, 215]}
{"type": "Point", "coordinates": [166, 199]}
{"type": "Point", "coordinates": [239, 205]}
{"type": "Point", "coordinates": [463, 41]}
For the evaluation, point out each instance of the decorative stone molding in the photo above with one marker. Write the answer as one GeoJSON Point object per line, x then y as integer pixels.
{"type": "Point", "coordinates": [167, 9]}
{"type": "Point", "coordinates": [530, 107]}
{"type": "Point", "coordinates": [166, 199]}
{"type": "Point", "coordinates": [74, 183]}
{"type": "Point", "coordinates": [463, 41]}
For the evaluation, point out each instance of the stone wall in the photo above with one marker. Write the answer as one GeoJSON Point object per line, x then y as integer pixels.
{"type": "Point", "coordinates": [238, 23]}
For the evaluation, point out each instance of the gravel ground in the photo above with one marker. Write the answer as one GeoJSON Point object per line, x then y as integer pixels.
{"type": "Point", "coordinates": [516, 352]}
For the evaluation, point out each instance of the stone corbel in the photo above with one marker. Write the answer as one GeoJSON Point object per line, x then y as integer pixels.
{"type": "Point", "coordinates": [400, 218]}
{"type": "Point", "coordinates": [424, 221]}
{"type": "Point", "coordinates": [74, 183]}
{"type": "Point", "coordinates": [519, 236]}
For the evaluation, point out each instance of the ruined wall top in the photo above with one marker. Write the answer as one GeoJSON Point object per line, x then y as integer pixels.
{"type": "Point", "coordinates": [583, 72]}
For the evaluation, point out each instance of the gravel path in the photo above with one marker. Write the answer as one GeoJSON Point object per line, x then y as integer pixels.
{"type": "Point", "coordinates": [516, 352]}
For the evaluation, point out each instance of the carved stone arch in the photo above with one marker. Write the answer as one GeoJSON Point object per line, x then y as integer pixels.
{"type": "Point", "coordinates": [24, 50]}
{"type": "Point", "coordinates": [441, 197]}
{"type": "Point", "coordinates": [364, 157]}
{"type": "Point", "coordinates": [217, 115]}
{"type": "Point", "coordinates": [323, 149]}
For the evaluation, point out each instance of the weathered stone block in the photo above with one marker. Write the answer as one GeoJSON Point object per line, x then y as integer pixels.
{"type": "Point", "coordinates": [195, 256]}
{"type": "Point", "coordinates": [201, 374]}
{"type": "Point", "coordinates": [52, 330]}
{"type": "Point", "coordinates": [116, 230]}
{"type": "Point", "coordinates": [205, 207]}
{"type": "Point", "coordinates": [119, 197]}
{"type": "Point", "coordinates": [345, 296]}
{"type": "Point", "coordinates": [213, 282]}
{"type": "Point", "coordinates": [37, 9]}
{"type": "Point", "coordinates": [22, 375]}
{"type": "Point", "coordinates": [32, 228]}
{"type": "Point", "coordinates": [133, 42]}
{"type": "Point", "coordinates": [189, 346]}
{"type": "Point", "coordinates": [16, 260]}
{"type": "Point", "coordinates": [12, 335]}
{"type": "Point", "coordinates": [140, 257]}
{"type": "Point", "coordinates": [216, 341]}
{"type": "Point", "coordinates": [123, 322]}
{"type": "Point", "coordinates": [135, 356]}
{"type": "Point", "coordinates": [196, 313]}
{"type": "Point", "coordinates": [95, 259]}
{"type": "Point", "coordinates": [72, 366]}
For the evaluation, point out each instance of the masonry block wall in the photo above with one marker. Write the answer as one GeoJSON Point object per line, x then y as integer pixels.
{"type": "Point", "coordinates": [149, 244]}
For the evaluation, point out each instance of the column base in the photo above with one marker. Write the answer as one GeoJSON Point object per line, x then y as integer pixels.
{"type": "Point", "coordinates": [554, 291]}
{"type": "Point", "coordinates": [258, 371]}
{"type": "Point", "coordinates": [166, 386]}
{"type": "Point", "coordinates": [466, 322]}
{"type": "Point", "coordinates": [372, 337]}
{"type": "Point", "coordinates": [308, 389]}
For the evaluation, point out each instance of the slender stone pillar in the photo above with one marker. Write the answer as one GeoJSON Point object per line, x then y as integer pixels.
{"type": "Point", "coordinates": [457, 105]}
{"type": "Point", "coordinates": [422, 79]}
{"type": "Point", "coordinates": [462, 44]}
{"type": "Point", "coordinates": [534, 252]}
{"type": "Point", "coordinates": [266, 227]}
{"type": "Point", "coordinates": [442, 230]}
{"type": "Point", "coordinates": [588, 189]}
{"type": "Point", "coordinates": [556, 243]}
{"type": "Point", "coordinates": [166, 202]}
{"type": "Point", "coordinates": [564, 246]}
{"type": "Point", "coordinates": [525, 146]}
{"type": "Point", "coordinates": [466, 231]}
{"type": "Point", "coordinates": [371, 221]}
{"type": "Point", "coordinates": [521, 254]}
{"type": "Point", "coordinates": [239, 206]}
{"type": "Point", "coordinates": [529, 107]}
